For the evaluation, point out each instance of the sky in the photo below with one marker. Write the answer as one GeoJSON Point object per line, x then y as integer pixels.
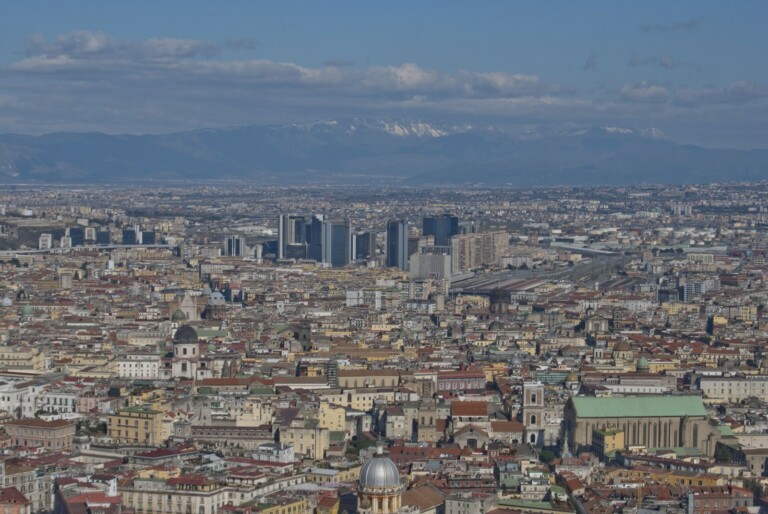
{"type": "Point", "coordinates": [695, 70]}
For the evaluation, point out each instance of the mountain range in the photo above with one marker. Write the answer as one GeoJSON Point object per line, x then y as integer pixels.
{"type": "Point", "coordinates": [357, 151]}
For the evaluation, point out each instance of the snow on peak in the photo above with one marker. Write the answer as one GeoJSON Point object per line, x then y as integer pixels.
{"type": "Point", "coordinates": [617, 130]}
{"type": "Point", "coordinates": [650, 132]}
{"type": "Point", "coordinates": [400, 128]}
{"type": "Point", "coordinates": [415, 128]}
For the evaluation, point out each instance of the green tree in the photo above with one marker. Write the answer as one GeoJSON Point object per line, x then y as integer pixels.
{"type": "Point", "coordinates": [722, 454]}
{"type": "Point", "coordinates": [547, 456]}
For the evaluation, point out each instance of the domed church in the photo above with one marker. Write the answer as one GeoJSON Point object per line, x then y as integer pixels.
{"type": "Point", "coordinates": [186, 352]}
{"type": "Point", "coordinates": [380, 489]}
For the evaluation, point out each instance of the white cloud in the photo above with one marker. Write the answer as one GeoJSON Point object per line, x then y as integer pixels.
{"type": "Point", "coordinates": [740, 92]}
{"type": "Point", "coordinates": [645, 92]}
{"type": "Point", "coordinates": [88, 80]}
{"type": "Point", "coordinates": [184, 61]}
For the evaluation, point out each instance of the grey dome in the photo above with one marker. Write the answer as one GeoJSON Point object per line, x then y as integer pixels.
{"type": "Point", "coordinates": [185, 335]}
{"type": "Point", "coordinates": [6, 302]}
{"type": "Point", "coordinates": [216, 298]}
{"type": "Point", "coordinates": [380, 471]}
{"type": "Point", "coordinates": [178, 315]}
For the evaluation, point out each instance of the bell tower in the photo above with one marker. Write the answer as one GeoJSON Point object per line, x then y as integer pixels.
{"type": "Point", "coordinates": [533, 412]}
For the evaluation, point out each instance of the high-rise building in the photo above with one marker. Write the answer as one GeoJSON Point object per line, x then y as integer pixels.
{"type": "Point", "coordinates": [314, 238]}
{"type": "Point", "coordinates": [397, 244]}
{"type": "Point", "coordinates": [90, 234]}
{"type": "Point", "coordinates": [45, 242]}
{"type": "Point", "coordinates": [130, 237]}
{"type": "Point", "coordinates": [336, 240]}
{"type": "Point", "coordinates": [364, 245]}
{"type": "Point", "coordinates": [442, 228]}
{"type": "Point", "coordinates": [431, 262]}
{"type": "Point", "coordinates": [147, 237]}
{"type": "Point", "coordinates": [291, 236]}
{"type": "Point", "coordinates": [103, 237]}
{"type": "Point", "coordinates": [480, 249]}
{"type": "Point", "coordinates": [76, 235]}
{"type": "Point", "coordinates": [234, 246]}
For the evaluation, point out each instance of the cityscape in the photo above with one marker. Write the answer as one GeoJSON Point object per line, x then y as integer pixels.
{"type": "Point", "coordinates": [344, 257]}
{"type": "Point", "coordinates": [211, 349]}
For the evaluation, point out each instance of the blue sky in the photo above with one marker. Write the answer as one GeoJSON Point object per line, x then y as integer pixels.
{"type": "Point", "coordinates": [694, 70]}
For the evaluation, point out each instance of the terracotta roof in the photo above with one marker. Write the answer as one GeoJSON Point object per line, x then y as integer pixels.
{"type": "Point", "coordinates": [425, 498]}
{"type": "Point", "coordinates": [507, 426]}
{"type": "Point", "coordinates": [12, 495]}
{"type": "Point", "coordinates": [368, 373]}
{"type": "Point", "coordinates": [469, 408]}
{"type": "Point", "coordinates": [40, 423]}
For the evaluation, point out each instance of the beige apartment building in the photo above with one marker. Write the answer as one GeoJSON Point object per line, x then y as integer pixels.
{"type": "Point", "coordinates": [733, 389]}
{"type": "Point", "coordinates": [54, 435]}
{"type": "Point", "coordinates": [14, 357]}
{"type": "Point", "coordinates": [137, 425]}
{"type": "Point", "coordinates": [473, 250]}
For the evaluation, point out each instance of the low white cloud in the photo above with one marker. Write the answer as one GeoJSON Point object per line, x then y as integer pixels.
{"type": "Point", "coordinates": [645, 92]}
{"type": "Point", "coordinates": [94, 54]}
{"type": "Point", "coordinates": [737, 93]}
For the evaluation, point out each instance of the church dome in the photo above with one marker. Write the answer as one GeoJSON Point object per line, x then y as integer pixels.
{"type": "Point", "coordinates": [178, 315]}
{"type": "Point", "coordinates": [572, 377]}
{"type": "Point", "coordinates": [185, 335]}
{"type": "Point", "coordinates": [622, 346]}
{"type": "Point", "coordinates": [379, 472]}
{"type": "Point", "coordinates": [216, 298]}
{"type": "Point", "coordinates": [27, 310]}
{"type": "Point", "coordinates": [643, 364]}
{"type": "Point", "coordinates": [6, 302]}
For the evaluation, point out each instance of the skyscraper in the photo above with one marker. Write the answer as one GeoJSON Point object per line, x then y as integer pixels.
{"type": "Point", "coordinates": [129, 236]}
{"type": "Point", "coordinates": [103, 237]}
{"type": "Point", "coordinates": [335, 239]}
{"type": "Point", "coordinates": [442, 228]}
{"type": "Point", "coordinates": [291, 237]}
{"type": "Point", "coordinates": [148, 237]}
{"type": "Point", "coordinates": [364, 245]}
{"type": "Point", "coordinates": [314, 238]}
{"type": "Point", "coordinates": [77, 235]}
{"type": "Point", "coordinates": [397, 244]}
{"type": "Point", "coordinates": [234, 246]}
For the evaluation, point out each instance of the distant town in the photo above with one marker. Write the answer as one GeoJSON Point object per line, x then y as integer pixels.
{"type": "Point", "coordinates": [232, 349]}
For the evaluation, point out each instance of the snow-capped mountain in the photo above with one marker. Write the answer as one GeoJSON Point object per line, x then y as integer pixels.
{"type": "Point", "coordinates": [401, 128]}
{"type": "Point", "coordinates": [386, 151]}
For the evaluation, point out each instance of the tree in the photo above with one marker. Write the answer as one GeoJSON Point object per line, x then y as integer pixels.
{"type": "Point", "coordinates": [723, 454]}
{"type": "Point", "coordinates": [710, 325]}
{"type": "Point", "coordinates": [547, 456]}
